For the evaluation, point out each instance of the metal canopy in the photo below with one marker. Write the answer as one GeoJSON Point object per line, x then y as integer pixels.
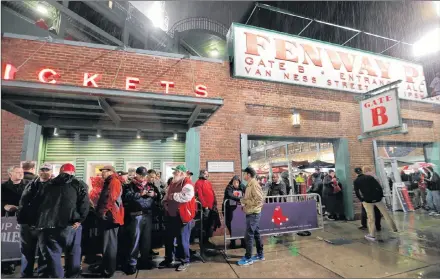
{"type": "Point", "coordinates": [74, 108]}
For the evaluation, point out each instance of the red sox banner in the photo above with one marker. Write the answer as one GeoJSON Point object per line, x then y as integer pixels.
{"type": "Point", "coordinates": [382, 111]}
{"type": "Point", "coordinates": [279, 217]}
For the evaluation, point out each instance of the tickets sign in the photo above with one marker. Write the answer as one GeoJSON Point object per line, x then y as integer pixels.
{"type": "Point", "coordinates": [279, 57]}
{"type": "Point", "coordinates": [382, 111]}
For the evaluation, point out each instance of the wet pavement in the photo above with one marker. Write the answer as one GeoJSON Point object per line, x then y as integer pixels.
{"type": "Point", "coordinates": [338, 251]}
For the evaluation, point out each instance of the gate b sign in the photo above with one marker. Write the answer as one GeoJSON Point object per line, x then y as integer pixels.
{"type": "Point", "coordinates": [380, 112]}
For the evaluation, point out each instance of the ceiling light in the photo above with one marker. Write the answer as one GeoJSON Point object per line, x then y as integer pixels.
{"type": "Point", "coordinates": [98, 134]}
{"type": "Point", "coordinates": [42, 9]}
{"type": "Point", "coordinates": [138, 134]}
{"type": "Point", "coordinates": [428, 44]}
{"type": "Point", "coordinates": [175, 136]}
{"type": "Point", "coordinates": [214, 52]}
{"type": "Point", "coordinates": [55, 131]}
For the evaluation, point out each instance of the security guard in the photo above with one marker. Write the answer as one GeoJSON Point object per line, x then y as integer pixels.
{"type": "Point", "coordinates": [139, 200]}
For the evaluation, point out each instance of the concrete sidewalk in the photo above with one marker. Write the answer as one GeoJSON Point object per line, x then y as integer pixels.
{"type": "Point", "coordinates": [338, 251]}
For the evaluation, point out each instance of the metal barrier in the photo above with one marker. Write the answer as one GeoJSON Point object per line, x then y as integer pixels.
{"type": "Point", "coordinates": [281, 199]}
{"type": "Point", "coordinates": [201, 243]}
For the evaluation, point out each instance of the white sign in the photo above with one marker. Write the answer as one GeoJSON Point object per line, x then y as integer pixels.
{"type": "Point", "coordinates": [278, 57]}
{"type": "Point", "coordinates": [220, 166]}
{"type": "Point", "coordinates": [382, 111]}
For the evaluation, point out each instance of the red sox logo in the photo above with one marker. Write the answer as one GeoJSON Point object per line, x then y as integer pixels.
{"type": "Point", "coordinates": [278, 218]}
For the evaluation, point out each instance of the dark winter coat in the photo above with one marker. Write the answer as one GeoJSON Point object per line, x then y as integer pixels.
{"type": "Point", "coordinates": [229, 195]}
{"type": "Point", "coordinates": [134, 202]}
{"type": "Point", "coordinates": [317, 183]}
{"type": "Point", "coordinates": [333, 201]}
{"type": "Point", "coordinates": [368, 189]}
{"type": "Point", "coordinates": [29, 176]}
{"type": "Point", "coordinates": [11, 193]}
{"type": "Point", "coordinates": [65, 201]}
{"type": "Point", "coordinates": [433, 181]}
{"type": "Point", "coordinates": [30, 202]}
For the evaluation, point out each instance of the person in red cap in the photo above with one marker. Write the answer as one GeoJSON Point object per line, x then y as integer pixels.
{"type": "Point", "coordinates": [110, 213]}
{"type": "Point", "coordinates": [64, 206]}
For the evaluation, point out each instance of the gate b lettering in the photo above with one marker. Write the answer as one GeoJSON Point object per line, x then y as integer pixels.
{"type": "Point", "coordinates": [379, 116]}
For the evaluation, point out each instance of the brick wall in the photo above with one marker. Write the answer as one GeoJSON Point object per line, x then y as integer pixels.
{"type": "Point", "coordinates": [12, 141]}
{"type": "Point", "coordinates": [336, 113]}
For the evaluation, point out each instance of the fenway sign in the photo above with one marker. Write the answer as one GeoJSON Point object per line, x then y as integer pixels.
{"type": "Point", "coordinates": [380, 112]}
{"type": "Point", "coordinates": [271, 56]}
{"type": "Point", "coordinates": [48, 75]}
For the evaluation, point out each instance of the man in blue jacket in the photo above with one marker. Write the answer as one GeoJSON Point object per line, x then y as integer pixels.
{"type": "Point", "coordinates": [139, 199]}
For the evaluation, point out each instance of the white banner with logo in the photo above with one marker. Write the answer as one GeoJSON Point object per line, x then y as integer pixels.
{"type": "Point", "coordinates": [278, 57]}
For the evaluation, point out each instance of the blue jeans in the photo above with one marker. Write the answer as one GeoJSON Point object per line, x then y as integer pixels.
{"type": "Point", "coordinates": [253, 233]}
{"type": "Point", "coordinates": [138, 233]}
{"type": "Point", "coordinates": [436, 200]}
{"type": "Point", "coordinates": [176, 230]}
{"type": "Point", "coordinates": [429, 200]}
{"type": "Point", "coordinates": [53, 242]}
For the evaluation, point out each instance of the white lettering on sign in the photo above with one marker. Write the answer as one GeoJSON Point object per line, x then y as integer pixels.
{"type": "Point", "coordinates": [266, 55]}
{"type": "Point", "coordinates": [380, 112]}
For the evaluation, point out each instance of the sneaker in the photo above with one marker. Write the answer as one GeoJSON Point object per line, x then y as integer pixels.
{"type": "Point", "coordinates": [432, 213]}
{"type": "Point", "coordinates": [370, 238]}
{"type": "Point", "coordinates": [258, 258]}
{"type": "Point", "coordinates": [183, 267]}
{"type": "Point", "coordinates": [362, 228]}
{"type": "Point", "coordinates": [330, 218]}
{"type": "Point", "coordinates": [245, 261]}
{"type": "Point", "coordinates": [437, 215]}
{"type": "Point", "coordinates": [166, 264]}
{"type": "Point", "coordinates": [95, 268]}
{"type": "Point", "coordinates": [130, 270]}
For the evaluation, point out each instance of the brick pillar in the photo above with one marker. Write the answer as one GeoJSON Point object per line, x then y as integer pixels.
{"type": "Point", "coordinates": [12, 141]}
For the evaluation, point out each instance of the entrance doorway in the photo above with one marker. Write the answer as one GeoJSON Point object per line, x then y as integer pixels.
{"type": "Point", "coordinates": [289, 155]}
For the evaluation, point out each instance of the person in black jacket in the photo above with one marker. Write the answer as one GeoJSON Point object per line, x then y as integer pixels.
{"type": "Point", "coordinates": [27, 218]}
{"type": "Point", "coordinates": [11, 194]}
{"type": "Point", "coordinates": [276, 188]}
{"type": "Point", "coordinates": [233, 193]}
{"type": "Point", "coordinates": [333, 196]}
{"type": "Point", "coordinates": [29, 170]}
{"type": "Point", "coordinates": [139, 200]}
{"type": "Point", "coordinates": [370, 193]}
{"type": "Point", "coordinates": [64, 206]}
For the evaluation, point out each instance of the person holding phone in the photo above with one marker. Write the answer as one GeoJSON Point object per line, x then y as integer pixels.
{"type": "Point", "coordinates": [139, 199]}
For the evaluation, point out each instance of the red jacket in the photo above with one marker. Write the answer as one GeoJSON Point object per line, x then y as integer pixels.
{"type": "Point", "coordinates": [110, 202]}
{"type": "Point", "coordinates": [205, 193]}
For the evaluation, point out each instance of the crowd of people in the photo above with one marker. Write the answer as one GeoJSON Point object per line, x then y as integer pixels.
{"type": "Point", "coordinates": [57, 214]}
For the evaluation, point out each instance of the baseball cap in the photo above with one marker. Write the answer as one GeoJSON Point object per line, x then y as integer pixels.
{"type": "Point", "coordinates": [250, 171]}
{"type": "Point", "coordinates": [358, 170]}
{"type": "Point", "coordinates": [67, 167]}
{"type": "Point", "coordinates": [142, 171]}
{"type": "Point", "coordinates": [181, 168]}
{"type": "Point", "coordinates": [108, 168]}
{"type": "Point", "coordinates": [46, 166]}
{"type": "Point", "coordinates": [122, 173]}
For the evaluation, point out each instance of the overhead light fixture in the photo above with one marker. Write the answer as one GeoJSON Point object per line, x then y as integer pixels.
{"type": "Point", "coordinates": [98, 133]}
{"type": "Point", "coordinates": [42, 9]}
{"type": "Point", "coordinates": [138, 134]}
{"type": "Point", "coordinates": [214, 52]}
{"type": "Point", "coordinates": [428, 44]}
{"type": "Point", "coordinates": [55, 131]}
{"type": "Point", "coordinates": [296, 119]}
{"type": "Point", "coordinates": [175, 136]}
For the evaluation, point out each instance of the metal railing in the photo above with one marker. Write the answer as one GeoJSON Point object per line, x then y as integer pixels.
{"type": "Point", "coordinates": [282, 199]}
